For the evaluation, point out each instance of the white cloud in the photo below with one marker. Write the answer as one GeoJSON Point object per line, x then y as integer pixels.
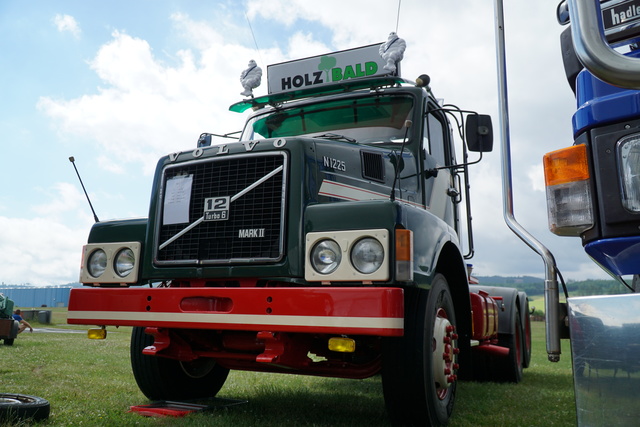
{"type": "Point", "coordinates": [63, 198]}
{"type": "Point", "coordinates": [46, 248]}
{"type": "Point", "coordinates": [147, 108]}
{"type": "Point", "coordinates": [42, 252]}
{"type": "Point", "coordinates": [303, 45]}
{"type": "Point", "coordinates": [536, 177]}
{"type": "Point", "coordinates": [67, 23]}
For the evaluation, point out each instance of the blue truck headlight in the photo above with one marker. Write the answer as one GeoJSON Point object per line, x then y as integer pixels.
{"type": "Point", "coordinates": [629, 164]}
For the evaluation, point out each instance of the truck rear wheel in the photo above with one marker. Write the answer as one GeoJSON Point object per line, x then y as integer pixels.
{"type": "Point", "coordinates": [526, 335]}
{"type": "Point", "coordinates": [160, 378]}
{"type": "Point", "coordinates": [418, 372]}
{"type": "Point", "coordinates": [510, 370]}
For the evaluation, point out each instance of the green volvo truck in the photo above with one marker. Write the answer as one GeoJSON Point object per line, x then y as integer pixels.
{"type": "Point", "coordinates": [326, 239]}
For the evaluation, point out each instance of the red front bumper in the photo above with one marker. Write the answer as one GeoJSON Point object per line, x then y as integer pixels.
{"type": "Point", "coordinates": [355, 311]}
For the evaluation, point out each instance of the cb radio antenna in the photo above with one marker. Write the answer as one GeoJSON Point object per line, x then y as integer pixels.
{"type": "Point", "coordinates": [72, 160]}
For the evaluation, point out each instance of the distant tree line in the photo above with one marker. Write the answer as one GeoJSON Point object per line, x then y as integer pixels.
{"type": "Point", "coordinates": [535, 286]}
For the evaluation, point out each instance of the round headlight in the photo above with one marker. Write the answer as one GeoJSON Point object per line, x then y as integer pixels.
{"type": "Point", "coordinates": [97, 263]}
{"type": "Point", "coordinates": [124, 262]}
{"type": "Point", "coordinates": [326, 256]}
{"type": "Point", "coordinates": [367, 255]}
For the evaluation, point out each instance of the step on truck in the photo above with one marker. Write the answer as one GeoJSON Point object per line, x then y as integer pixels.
{"type": "Point", "coordinates": [593, 193]}
{"type": "Point", "coordinates": [323, 240]}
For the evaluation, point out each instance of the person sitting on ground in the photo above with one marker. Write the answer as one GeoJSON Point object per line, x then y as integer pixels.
{"type": "Point", "coordinates": [23, 323]}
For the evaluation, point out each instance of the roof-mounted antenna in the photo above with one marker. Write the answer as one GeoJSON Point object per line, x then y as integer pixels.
{"type": "Point", "coordinates": [72, 160]}
{"type": "Point", "coordinates": [254, 38]}
{"type": "Point", "coordinates": [398, 16]}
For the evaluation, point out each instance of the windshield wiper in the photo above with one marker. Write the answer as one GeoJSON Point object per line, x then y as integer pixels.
{"type": "Point", "coordinates": [334, 136]}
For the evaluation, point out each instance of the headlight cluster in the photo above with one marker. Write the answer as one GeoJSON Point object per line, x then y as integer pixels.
{"type": "Point", "coordinates": [629, 161]}
{"type": "Point", "coordinates": [111, 263]}
{"type": "Point", "coordinates": [347, 255]}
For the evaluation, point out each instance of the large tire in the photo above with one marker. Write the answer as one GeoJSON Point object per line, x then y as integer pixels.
{"type": "Point", "coordinates": [160, 378]}
{"type": "Point", "coordinates": [526, 335]}
{"type": "Point", "coordinates": [8, 341]}
{"type": "Point", "coordinates": [419, 383]}
{"type": "Point", "coordinates": [19, 407]}
{"type": "Point", "coordinates": [510, 370]}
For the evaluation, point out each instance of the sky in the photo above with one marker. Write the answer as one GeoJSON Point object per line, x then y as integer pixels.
{"type": "Point", "coordinates": [119, 84]}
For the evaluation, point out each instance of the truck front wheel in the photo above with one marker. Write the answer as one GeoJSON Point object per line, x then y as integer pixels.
{"type": "Point", "coordinates": [160, 378]}
{"type": "Point", "coordinates": [418, 372]}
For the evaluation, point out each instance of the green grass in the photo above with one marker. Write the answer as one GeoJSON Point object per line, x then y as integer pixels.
{"type": "Point", "coordinates": [544, 398]}
{"type": "Point", "coordinates": [89, 382]}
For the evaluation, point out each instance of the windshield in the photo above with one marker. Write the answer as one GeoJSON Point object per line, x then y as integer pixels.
{"type": "Point", "coordinates": [371, 120]}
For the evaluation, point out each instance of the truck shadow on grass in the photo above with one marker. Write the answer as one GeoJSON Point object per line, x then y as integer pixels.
{"type": "Point", "coordinates": [317, 402]}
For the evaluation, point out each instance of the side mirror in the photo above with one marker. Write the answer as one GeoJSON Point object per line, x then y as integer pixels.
{"type": "Point", "coordinates": [479, 133]}
{"type": "Point", "coordinates": [204, 140]}
{"type": "Point", "coordinates": [562, 13]}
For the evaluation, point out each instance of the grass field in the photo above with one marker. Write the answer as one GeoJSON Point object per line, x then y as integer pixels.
{"type": "Point", "coordinates": [90, 383]}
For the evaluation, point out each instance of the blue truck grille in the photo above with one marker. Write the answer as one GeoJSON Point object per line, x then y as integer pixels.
{"type": "Point", "coordinates": [236, 208]}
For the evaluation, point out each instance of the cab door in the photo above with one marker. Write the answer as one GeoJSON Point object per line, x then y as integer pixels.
{"type": "Point", "coordinates": [440, 187]}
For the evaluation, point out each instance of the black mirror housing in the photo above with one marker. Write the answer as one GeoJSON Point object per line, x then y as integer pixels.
{"type": "Point", "coordinates": [479, 132]}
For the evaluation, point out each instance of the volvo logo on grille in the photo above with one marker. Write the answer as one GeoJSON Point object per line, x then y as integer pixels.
{"type": "Point", "coordinates": [247, 233]}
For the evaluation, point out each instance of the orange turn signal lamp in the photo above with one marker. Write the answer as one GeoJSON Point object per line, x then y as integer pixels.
{"type": "Point", "coordinates": [566, 165]}
{"type": "Point", "coordinates": [404, 254]}
{"type": "Point", "coordinates": [568, 188]}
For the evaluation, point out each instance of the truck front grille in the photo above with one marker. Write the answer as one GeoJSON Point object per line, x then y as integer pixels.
{"type": "Point", "coordinates": [236, 211]}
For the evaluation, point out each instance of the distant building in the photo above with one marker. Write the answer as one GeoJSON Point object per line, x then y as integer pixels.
{"type": "Point", "coordinates": [32, 296]}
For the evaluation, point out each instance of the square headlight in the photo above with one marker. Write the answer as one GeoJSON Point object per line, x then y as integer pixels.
{"type": "Point", "coordinates": [629, 170]}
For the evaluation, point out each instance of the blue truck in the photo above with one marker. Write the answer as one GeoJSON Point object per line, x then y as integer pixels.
{"type": "Point", "coordinates": [593, 193]}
